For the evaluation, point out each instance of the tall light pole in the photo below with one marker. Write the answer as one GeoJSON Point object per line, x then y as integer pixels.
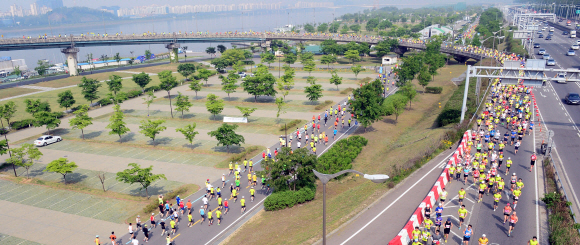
{"type": "Point", "coordinates": [48, 17]}
{"type": "Point", "coordinates": [324, 178]}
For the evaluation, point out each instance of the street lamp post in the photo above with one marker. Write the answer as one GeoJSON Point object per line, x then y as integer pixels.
{"type": "Point", "coordinates": [325, 178]}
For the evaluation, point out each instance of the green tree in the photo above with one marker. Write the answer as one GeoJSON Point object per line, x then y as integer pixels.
{"type": "Point", "coordinates": [168, 82]}
{"type": "Point", "coordinates": [186, 69]}
{"type": "Point", "coordinates": [42, 67]}
{"type": "Point", "coordinates": [475, 41]}
{"type": "Point", "coordinates": [116, 123]}
{"type": "Point", "coordinates": [281, 105]}
{"type": "Point", "coordinates": [226, 136]}
{"type": "Point", "coordinates": [221, 48]}
{"type": "Point", "coordinates": [61, 166]}
{"type": "Point", "coordinates": [66, 99]}
{"type": "Point", "coordinates": [286, 82]}
{"type": "Point", "coordinates": [149, 98]}
{"type": "Point", "coordinates": [148, 54]}
{"type": "Point", "coordinates": [142, 79]}
{"type": "Point", "coordinates": [424, 77]}
{"type": "Point", "coordinates": [309, 28]}
{"type": "Point", "coordinates": [7, 112]}
{"type": "Point", "coordinates": [367, 103]}
{"type": "Point", "coordinates": [142, 176]}
{"type": "Point", "coordinates": [219, 63]}
{"type": "Point", "coordinates": [383, 48]}
{"type": "Point", "coordinates": [214, 105]}
{"type": "Point", "coordinates": [117, 58]}
{"type": "Point", "coordinates": [314, 91]}
{"type": "Point", "coordinates": [204, 74]}
{"type": "Point", "coordinates": [352, 55]}
{"type": "Point", "coordinates": [356, 28]}
{"type": "Point", "coordinates": [195, 85]}
{"type": "Point", "coordinates": [151, 128]}
{"type": "Point", "coordinates": [211, 51]}
{"type": "Point", "coordinates": [328, 59]}
{"type": "Point", "coordinates": [24, 156]}
{"type": "Point", "coordinates": [4, 148]}
{"type": "Point", "coordinates": [229, 83]}
{"type": "Point", "coordinates": [182, 103]}
{"type": "Point", "coordinates": [333, 28]}
{"type": "Point", "coordinates": [189, 132]}
{"type": "Point", "coordinates": [309, 66]}
{"type": "Point", "coordinates": [81, 119]}
{"type": "Point", "coordinates": [306, 56]}
{"type": "Point", "coordinates": [397, 102]}
{"type": "Point", "coordinates": [322, 27]}
{"type": "Point", "coordinates": [409, 92]}
{"type": "Point", "coordinates": [17, 71]}
{"type": "Point", "coordinates": [267, 58]}
{"type": "Point", "coordinates": [34, 106]}
{"type": "Point", "coordinates": [344, 29]}
{"type": "Point", "coordinates": [89, 88]}
{"type": "Point", "coordinates": [262, 83]}
{"type": "Point", "coordinates": [356, 70]}
{"type": "Point", "coordinates": [115, 84]}
{"type": "Point", "coordinates": [290, 165]}
{"type": "Point", "coordinates": [335, 79]}
{"type": "Point", "coordinates": [371, 24]}
{"type": "Point", "coordinates": [246, 111]}
{"type": "Point", "coordinates": [48, 119]}
{"type": "Point", "coordinates": [289, 58]}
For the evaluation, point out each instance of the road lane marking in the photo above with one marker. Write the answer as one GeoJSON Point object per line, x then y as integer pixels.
{"type": "Point", "coordinates": [175, 237]}
{"type": "Point", "coordinates": [396, 200]}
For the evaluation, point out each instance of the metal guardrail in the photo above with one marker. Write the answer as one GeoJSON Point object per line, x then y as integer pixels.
{"type": "Point", "coordinates": [560, 186]}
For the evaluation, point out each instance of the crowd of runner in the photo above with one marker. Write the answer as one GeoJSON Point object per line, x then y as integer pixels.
{"type": "Point", "coordinates": [509, 111]}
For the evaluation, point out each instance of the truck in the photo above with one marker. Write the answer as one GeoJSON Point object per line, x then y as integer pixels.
{"type": "Point", "coordinates": [573, 34]}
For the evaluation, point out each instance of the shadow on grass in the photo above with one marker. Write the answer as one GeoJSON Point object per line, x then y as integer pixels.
{"type": "Point", "coordinates": [129, 111]}
{"type": "Point", "coordinates": [232, 98]}
{"type": "Point", "coordinates": [190, 146]}
{"type": "Point", "coordinates": [153, 191]}
{"type": "Point", "coordinates": [260, 99]}
{"type": "Point", "coordinates": [59, 131]}
{"type": "Point", "coordinates": [232, 149]}
{"type": "Point", "coordinates": [161, 141]}
{"type": "Point", "coordinates": [390, 120]}
{"type": "Point", "coordinates": [74, 178]}
{"type": "Point", "coordinates": [93, 135]}
{"type": "Point", "coordinates": [126, 138]}
{"type": "Point", "coordinates": [311, 102]}
{"type": "Point", "coordinates": [186, 116]}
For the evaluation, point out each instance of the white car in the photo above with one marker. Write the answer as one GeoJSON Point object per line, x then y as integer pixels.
{"type": "Point", "coordinates": [578, 42]}
{"type": "Point", "coordinates": [46, 139]}
{"type": "Point", "coordinates": [575, 46]}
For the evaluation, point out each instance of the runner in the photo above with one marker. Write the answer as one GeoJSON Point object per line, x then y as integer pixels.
{"type": "Point", "coordinates": [436, 238]}
{"type": "Point", "coordinates": [97, 241]}
{"type": "Point", "coordinates": [173, 226]}
{"type": "Point", "coordinates": [506, 212]}
{"type": "Point", "coordinates": [513, 221]}
{"type": "Point", "coordinates": [439, 210]}
{"type": "Point", "coordinates": [113, 238]}
{"type": "Point", "coordinates": [467, 235]}
{"type": "Point", "coordinates": [162, 224]}
{"type": "Point", "coordinates": [146, 233]}
{"type": "Point", "coordinates": [218, 215]}
{"type": "Point", "coordinates": [534, 241]}
{"type": "Point", "coordinates": [209, 218]}
{"type": "Point", "coordinates": [496, 198]}
{"type": "Point", "coordinates": [226, 206]}
{"type": "Point", "coordinates": [202, 214]}
{"type": "Point", "coordinates": [131, 230]}
{"type": "Point", "coordinates": [483, 240]}
{"type": "Point", "coordinates": [482, 187]}
{"type": "Point", "coordinates": [517, 193]}
{"type": "Point", "coordinates": [252, 192]}
{"type": "Point", "coordinates": [461, 194]}
{"type": "Point", "coordinates": [462, 215]}
{"type": "Point", "coordinates": [190, 218]}
{"type": "Point", "coordinates": [205, 201]}
{"type": "Point", "coordinates": [438, 222]}
{"type": "Point", "coordinates": [153, 224]}
{"type": "Point", "coordinates": [427, 211]}
{"type": "Point", "coordinates": [243, 204]}
{"type": "Point", "coordinates": [223, 180]}
{"type": "Point", "coordinates": [533, 161]}
{"type": "Point", "coordinates": [425, 235]}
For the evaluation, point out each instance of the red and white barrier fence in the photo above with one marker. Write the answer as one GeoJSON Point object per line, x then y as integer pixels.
{"type": "Point", "coordinates": [405, 236]}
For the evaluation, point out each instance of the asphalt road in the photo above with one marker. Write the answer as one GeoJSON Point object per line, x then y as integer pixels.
{"type": "Point", "coordinates": [562, 118]}
{"type": "Point", "coordinates": [202, 233]}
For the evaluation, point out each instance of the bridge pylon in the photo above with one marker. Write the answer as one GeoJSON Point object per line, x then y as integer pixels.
{"type": "Point", "coordinates": [173, 49]}
{"type": "Point", "coordinates": [71, 58]}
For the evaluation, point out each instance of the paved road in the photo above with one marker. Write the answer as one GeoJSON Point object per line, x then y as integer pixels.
{"type": "Point", "coordinates": [203, 233]}
{"type": "Point", "coordinates": [563, 119]}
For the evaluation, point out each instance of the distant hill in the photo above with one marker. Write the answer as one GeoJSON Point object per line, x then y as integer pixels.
{"type": "Point", "coordinates": [61, 16]}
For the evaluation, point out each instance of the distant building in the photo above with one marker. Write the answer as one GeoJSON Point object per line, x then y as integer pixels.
{"type": "Point", "coordinates": [7, 64]}
{"type": "Point", "coordinates": [389, 60]}
{"type": "Point", "coordinates": [33, 9]}
{"type": "Point", "coordinates": [435, 30]}
{"type": "Point", "coordinates": [53, 4]}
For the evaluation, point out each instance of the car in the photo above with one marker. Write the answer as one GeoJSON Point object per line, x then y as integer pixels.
{"type": "Point", "coordinates": [536, 45]}
{"type": "Point", "coordinates": [565, 33]}
{"type": "Point", "coordinates": [539, 32]}
{"type": "Point", "coordinates": [550, 62]}
{"type": "Point", "coordinates": [560, 20]}
{"type": "Point", "coordinates": [541, 36]}
{"type": "Point", "coordinates": [561, 77]}
{"type": "Point", "coordinates": [575, 47]}
{"type": "Point", "coordinates": [549, 38]}
{"type": "Point", "coordinates": [46, 140]}
{"type": "Point", "coordinates": [578, 42]}
{"type": "Point", "coordinates": [542, 51]}
{"type": "Point", "coordinates": [242, 74]}
{"type": "Point", "coordinates": [546, 56]}
{"type": "Point", "coordinates": [572, 99]}
{"type": "Point", "coordinates": [571, 52]}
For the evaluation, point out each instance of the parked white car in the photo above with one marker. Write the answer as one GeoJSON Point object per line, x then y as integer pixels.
{"type": "Point", "coordinates": [46, 140]}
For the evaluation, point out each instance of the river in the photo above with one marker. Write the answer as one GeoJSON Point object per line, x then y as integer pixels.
{"type": "Point", "coordinates": [220, 22]}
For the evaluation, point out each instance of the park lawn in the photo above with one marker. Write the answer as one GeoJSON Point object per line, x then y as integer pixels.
{"type": "Point", "coordinates": [156, 69]}
{"type": "Point", "coordinates": [76, 80]}
{"type": "Point", "coordinates": [10, 92]}
{"type": "Point", "coordinates": [398, 144]}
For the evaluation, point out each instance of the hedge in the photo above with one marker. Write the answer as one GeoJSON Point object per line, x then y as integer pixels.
{"type": "Point", "coordinates": [154, 88]}
{"type": "Point", "coordinates": [433, 90]}
{"type": "Point", "coordinates": [341, 155]}
{"type": "Point", "coordinates": [451, 112]}
{"type": "Point", "coordinates": [290, 125]}
{"type": "Point", "coordinates": [104, 102]}
{"type": "Point", "coordinates": [134, 93]}
{"type": "Point", "coordinates": [287, 199]}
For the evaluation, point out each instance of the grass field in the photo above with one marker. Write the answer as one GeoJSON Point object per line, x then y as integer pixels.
{"type": "Point", "coordinates": [395, 143]}
{"type": "Point", "coordinates": [10, 240]}
{"type": "Point", "coordinates": [6, 93]}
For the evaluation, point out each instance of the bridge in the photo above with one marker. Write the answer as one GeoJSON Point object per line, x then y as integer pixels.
{"type": "Point", "coordinates": [70, 45]}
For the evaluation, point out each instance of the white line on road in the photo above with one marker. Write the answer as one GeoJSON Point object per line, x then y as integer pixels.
{"type": "Point", "coordinates": [396, 200]}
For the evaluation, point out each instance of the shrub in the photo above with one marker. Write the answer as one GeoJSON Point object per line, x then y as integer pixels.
{"type": "Point", "coordinates": [16, 125]}
{"type": "Point", "coordinates": [244, 154]}
{"type": "Point", "coordinates": [104, 102]}
{"type": "Point", "coordinates": [324, 105]}
{"type": "Point", "coordinates": [168, 196]}
{"type": "Point", "coordinates": [346, 91]}
{"type": "Point", "coordinates": [290, 125]}
{"type": "Point", "coordinates": [341, 155]}
{"type": "Point", "coordinates": [154, 88]}
{"type": "Point", "coordinates": [433, 90]}
{"type": "Point", "coordinates": [451, 112]}
{"type": "Point", "coordinates": [134, 93]}
{"type": "Point", "coordinates": [287, 199]}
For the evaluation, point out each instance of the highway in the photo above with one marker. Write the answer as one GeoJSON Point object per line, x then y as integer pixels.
{"type": "Point", "coordinates": [563, 119]}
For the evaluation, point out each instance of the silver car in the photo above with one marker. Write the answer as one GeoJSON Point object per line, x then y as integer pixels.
{"type": "Point", "coordinates": [550, 62]}
{"type": "Point", "coordinates": [571, 52]}
{"type": "Point", "coordinates": [542, 51]}
{"type": "Point", "coordinates": [46, 140]}
{"type": "Point", "coordinates": [546, 56]}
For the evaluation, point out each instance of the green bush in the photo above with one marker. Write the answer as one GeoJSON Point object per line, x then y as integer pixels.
{"type": "Point", "coordinates": [451, 112]}
{"type": "Point", "coordinates": [154, 88]}
{"type": "Point", "coordinates": [433, 90]}
{"type": "Point", "coordinates": [326, 104]}
{"type": "Point", "coordinates": [16, 125]}
{"type": "Point", "coordinates": [104, 102]}
{"type": "Point", "coordinates": [134, 93]}
{"type": "Point", "coordinates": [287, 199]}
{"type": "Point", "coordinates": [290, 125]}
{"type": "Point", "coordinates": [341, 155]}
